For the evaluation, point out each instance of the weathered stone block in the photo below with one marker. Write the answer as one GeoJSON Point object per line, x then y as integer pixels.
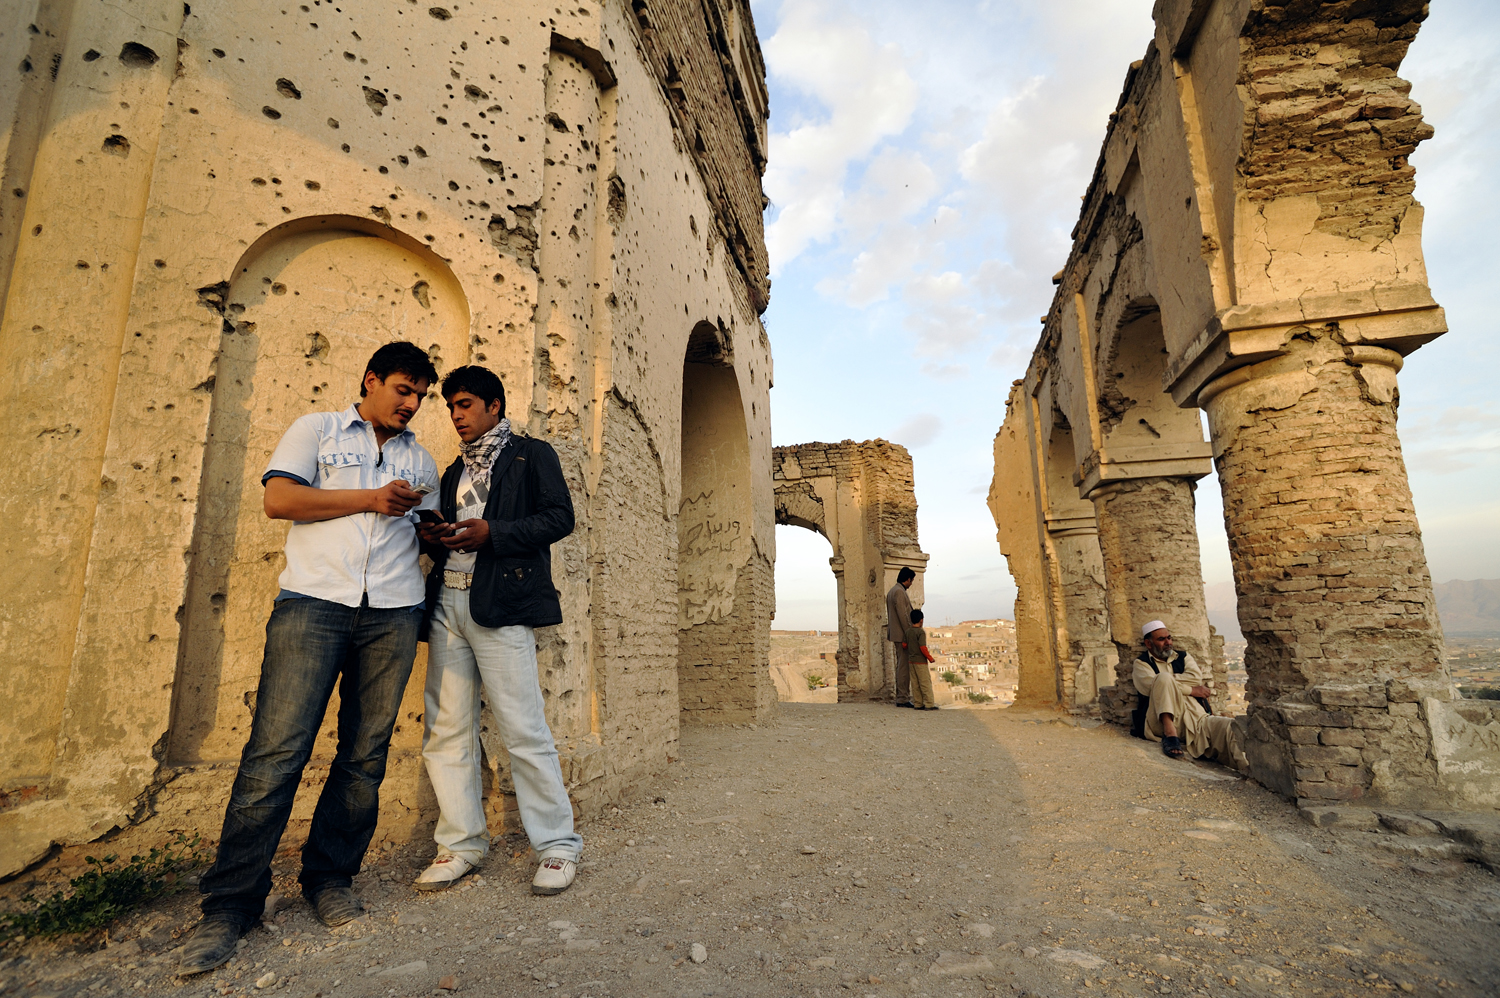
{"type": "Point", "coordinates": [1407, 824]}
{"type": "Point", "coordinates": [1308, 774]}
{"type": "Point", "coordinates": [1330, 791]}
{"type": "Point", "coordinates": [1348, 819]}
{"type": "Point", "coordinates": [1306, 736]}
{"type": "Point", "coordinates": [1348, 775]}
{"type": "Point", "coordinates": [1341, 736]}
{"type": "Point", "coordinates": [1410, 690]}
{"type": "Point", "coordinates": [1376, 720]}
{"type": "Point", "coordinates": [1349, 696]}
{"type": "Point", "coordinates": [1326, 755]}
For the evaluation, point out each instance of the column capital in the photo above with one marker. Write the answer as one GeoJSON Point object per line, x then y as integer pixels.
{"type": "Point", "coordinates": [1397, 318]}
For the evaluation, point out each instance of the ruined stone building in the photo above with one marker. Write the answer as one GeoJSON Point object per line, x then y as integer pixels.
{"type": "Point", "coordinates": [1248, 246]}
{"type": "Point", "coordinates": [211, 216]}
{"type": "Point", "coordinates": [862, 499]}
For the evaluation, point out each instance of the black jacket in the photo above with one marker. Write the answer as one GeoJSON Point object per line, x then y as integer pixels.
{"type": "Point", "coordinates": [529, 509]}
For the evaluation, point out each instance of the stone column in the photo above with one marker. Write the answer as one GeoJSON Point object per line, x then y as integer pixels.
{"type": "Point", "coordinates": [1148, 537]}
{"type": "Point", "coordinates": [1082, 640]}
{"type": "Point", "coordinates": [1336, 602]}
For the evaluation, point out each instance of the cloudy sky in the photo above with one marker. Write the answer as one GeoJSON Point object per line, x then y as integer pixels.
{"type": "Point", "coordinates": [926, 167]}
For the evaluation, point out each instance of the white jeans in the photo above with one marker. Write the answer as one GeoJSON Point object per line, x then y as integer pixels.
{"type": "Point", "coordinates": [461, 654]}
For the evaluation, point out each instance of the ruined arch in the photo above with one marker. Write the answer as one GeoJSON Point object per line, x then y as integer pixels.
{"type": "Point", "coordinates": [860, 497]}
{"type": "Point", "coordinates": [304, 308]}
{"type": "Point", "coordinates": [721, 673]}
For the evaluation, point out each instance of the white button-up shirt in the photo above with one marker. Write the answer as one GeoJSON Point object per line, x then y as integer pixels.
{"type": "Point", "coordinates": [342, 559]}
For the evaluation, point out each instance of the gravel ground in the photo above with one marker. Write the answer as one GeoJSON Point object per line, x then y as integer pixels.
{"type": "Point", "coordinates": [858, 849]}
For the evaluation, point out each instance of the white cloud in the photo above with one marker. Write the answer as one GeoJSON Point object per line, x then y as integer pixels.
{"type": "Point", "coordinates": [822, 50]}
{"type": "Point", "coordinates": [918, 431]}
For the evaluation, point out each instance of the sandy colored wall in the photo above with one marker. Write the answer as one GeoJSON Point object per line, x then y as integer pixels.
{"type": "Point", "coordinates": [228, 210]}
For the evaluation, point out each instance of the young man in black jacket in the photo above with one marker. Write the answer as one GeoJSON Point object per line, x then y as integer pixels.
{"type": "Point", "coordinates": [503, 504]}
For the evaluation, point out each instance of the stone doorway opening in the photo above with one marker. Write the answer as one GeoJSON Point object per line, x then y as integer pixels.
{"type": "Point", "coordinates": [716, 639]}
{"type": "Point", "coordinates": [805, 639]}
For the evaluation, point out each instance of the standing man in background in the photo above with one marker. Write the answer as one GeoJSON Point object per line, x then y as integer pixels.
{"type": "Point", "coordinates": [348, 613]}
{"type": "Point", "coordinates": [897, 620]}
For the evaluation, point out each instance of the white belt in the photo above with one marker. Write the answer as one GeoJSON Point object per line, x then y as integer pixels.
{"type": "Point", "coordinates": [457, 580]}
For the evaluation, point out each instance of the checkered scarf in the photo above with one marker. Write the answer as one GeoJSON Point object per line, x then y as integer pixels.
{"type": "Point", "coordinates": [479, 456]}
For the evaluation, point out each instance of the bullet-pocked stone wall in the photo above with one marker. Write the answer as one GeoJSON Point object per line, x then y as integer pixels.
{"type": "Point", "coordinates": [1249, 245]}
{"type": "Point", "coordinates": [861, 497]}
{"type": "Point", "coordinates": [286, 189]}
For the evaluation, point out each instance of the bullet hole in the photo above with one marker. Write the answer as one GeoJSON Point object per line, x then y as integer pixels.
{"type": "Point", "coordinates": [376, 100]}
{"type": "Point", "coordinates": [333, 122]}
{"type": "Point", "coordinates": [258, 181]}
{"type": "Point", "coordinates": [556, 122]}
{"type": "Point", "coordinates": [421, 216]}
{"type": "Point", "coordinates": [693, 225]}
{"type": "Point", "coordinates": [350, 56]}
{"type": "Point", "coordinates": [82, 265]}
{"type": "Point", "coordinates": [91, 55]}
{"type": "Point", "coordinates": [19, 193]}
{"type": "Point", "coordinates": [616, 208]}
{"type": "Point", "coordinates": [287, 88]}
{"type": "Point", "coordinates": [25, 65]}
{"type": "Point", "coordinates": [385, 169]}
{"type": "Point", "coordinates": [277, 288]}
{"type": "Point", "coordinates": [36, 231]}
{"type": "Point", "coordinates": [499, 279]}
{"type": "Point", "coordinates": [219, 53]}
{"type": "Point", "coordinates": [271, 112]}
{"type": "Point", "coordinates": [492, 166]}
{"type": "Point", "coordinates": [419, 292]}
{"type": "Point", "coordinates": [403, 160]}
{"type": "Point", "coordinates": [276, 180]}
{"type": "Point", "coordinates": [138, 56]}
{"type": "Point", "coordinates": [159, 264]}
{"type": "Point", "coordinates": [345, 147]}
{"type": "Point", "coordinates": [441, 13]}
{"type": "Point", "coordinates": [194, 110]}
{"type": "Point", "coordinates": [452, 186]}
{"type": "Point", "coordinates": [380, 213]}
{"type": "Point", "coordinates": [474, 93]}
{"type": "Point", "coordinates": [442, 121]}
{"type": "Point", "coordinates": [421, 153]}
{"type": "Point", "coordinates": [312, 185]}
{"type": "Point", "coordinates": [117, 145]}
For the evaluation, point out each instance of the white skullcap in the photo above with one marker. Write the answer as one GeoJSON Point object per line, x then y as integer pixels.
{"type": "Point", "coordinates": [1151, 625]}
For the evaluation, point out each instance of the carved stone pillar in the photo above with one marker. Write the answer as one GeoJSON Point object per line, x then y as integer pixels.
{"type": "Point", "coordinates": [1335, 599]}
{"type": "Point", "coordinates": [1082, 647]}
{"type": "Point", "coordinates": [1148, 537]}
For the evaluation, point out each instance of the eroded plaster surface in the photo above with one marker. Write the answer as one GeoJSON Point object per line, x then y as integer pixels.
{"type": "Point", "coordinates": [213, 216]}
{"type": "Point", "coordinates": [1249, 246]}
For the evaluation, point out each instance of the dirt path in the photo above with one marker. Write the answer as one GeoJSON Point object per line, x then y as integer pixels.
{"type": "Point", "coordinates": [863, 850]}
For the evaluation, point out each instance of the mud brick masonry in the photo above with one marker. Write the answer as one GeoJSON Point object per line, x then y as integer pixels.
{"type": "Point", "coordinates": [1249, 245]}
{"type": "Point", "coordinates": [213, 214]}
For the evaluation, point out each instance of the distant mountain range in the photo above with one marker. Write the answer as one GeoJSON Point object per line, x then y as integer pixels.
{"type": "Point", "coordinates": [1469, 609]}
{"type": "Point", "coordinates": [1466, 608]}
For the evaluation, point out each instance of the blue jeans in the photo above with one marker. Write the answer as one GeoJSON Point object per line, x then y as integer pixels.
{"type": "Point", "coordinates": [310, 645]}
{"type": "Point", "coordinates": [461, 656]}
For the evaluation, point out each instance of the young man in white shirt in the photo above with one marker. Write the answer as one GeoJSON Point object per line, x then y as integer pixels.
{"type": "Point", "coordinates": [348, 613]}
{"type": "Point", "coordinates": [504, 503]}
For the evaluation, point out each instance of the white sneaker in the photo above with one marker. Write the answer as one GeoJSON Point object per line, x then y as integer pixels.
{"type": "Point", "coordinates": [444, 872]}
{"type": "Point", "coordinates": [554, 876]}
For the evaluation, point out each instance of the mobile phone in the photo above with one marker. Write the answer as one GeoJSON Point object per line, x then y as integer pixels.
{"type": "Point", "coordinates": [430, 516]}
{"type": "Point", "coordinates": [420, 490]}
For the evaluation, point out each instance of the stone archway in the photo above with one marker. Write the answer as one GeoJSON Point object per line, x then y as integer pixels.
{"type": "Point", "coordinates": [860, 497]}
{"type": "Point", "coordinates": [304, 309]}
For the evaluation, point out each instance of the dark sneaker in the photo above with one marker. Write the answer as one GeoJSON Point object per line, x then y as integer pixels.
{"type": "Point", "coordinates": [213, 943]}
{"type": "Point", "coordinates": [337, 906]}
{"type": "Point", "coordinates": [904, 703]}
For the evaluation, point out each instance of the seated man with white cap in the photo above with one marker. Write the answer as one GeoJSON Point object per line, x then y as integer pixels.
{"type": "Point", "coordinates": [1174, 716]}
